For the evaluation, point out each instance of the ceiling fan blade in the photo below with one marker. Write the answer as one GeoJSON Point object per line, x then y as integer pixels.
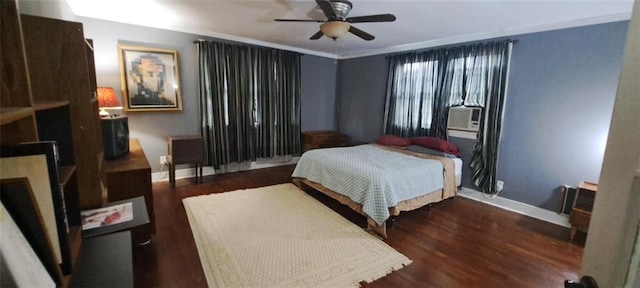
{"type": "Point", "coordinates": [361, 34]}
{"type": "Point", "coordinates": [372, 18]}
{"type": "Point", "coordinates": [298, 20]}
{"type": "Point", "coordinates": [317, 36]}
{"type": "Point", "coordinates": [326, 7]}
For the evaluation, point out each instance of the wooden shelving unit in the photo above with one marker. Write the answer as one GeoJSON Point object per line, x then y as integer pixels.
{"type": "Point", "coordinates": [13, 114]}
{"type": "Point", "coordinates": [46, 105]}
{"type": "Point", "coordinates": [61, 74]}
{"type": "Point", "coordinates": [47, 93]}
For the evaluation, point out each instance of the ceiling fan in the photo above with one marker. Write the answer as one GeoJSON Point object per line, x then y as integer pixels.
{"type": "Point", "coordinates": [337, 23]}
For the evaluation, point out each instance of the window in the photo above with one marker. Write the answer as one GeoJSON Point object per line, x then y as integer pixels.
{"type": "Point", "coordinates": [469, 78]}
{"type": "Point", "coordinates": [416, 87]}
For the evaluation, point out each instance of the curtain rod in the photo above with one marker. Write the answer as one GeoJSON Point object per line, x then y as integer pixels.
{"type": "Point", "coordinates": [247, 45]}
{"type": "Point", "coordinates": [513, 41]}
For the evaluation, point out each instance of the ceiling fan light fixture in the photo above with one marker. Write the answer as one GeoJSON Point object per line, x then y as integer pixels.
{"type": "Point", "coordinates": [341, 8]}
{"type": "Point", "coordinates": [334, 29]}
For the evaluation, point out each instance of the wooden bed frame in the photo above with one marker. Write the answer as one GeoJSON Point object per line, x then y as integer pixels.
{"type": "Point", "coordinates": [372, 226]}
{"type": "Point", "coordinates": [449, 190]}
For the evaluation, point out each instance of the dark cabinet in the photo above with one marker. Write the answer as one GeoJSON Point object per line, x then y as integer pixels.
{"type": "Point", "coordinates": [322, 139]}
{"type": "Point", "coordinates": [129, 176]}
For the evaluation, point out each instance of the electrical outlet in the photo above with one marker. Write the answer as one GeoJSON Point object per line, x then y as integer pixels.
{"type": "Point", "coordinates": [163, 160]}
{"type": "Point", "coordinates": [499, 185]}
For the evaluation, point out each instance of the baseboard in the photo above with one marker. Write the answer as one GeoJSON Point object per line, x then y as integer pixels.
{"type": "Point", "coordinates": [518, 207]}
{"type": "Point", "coordinates": [163, 175]}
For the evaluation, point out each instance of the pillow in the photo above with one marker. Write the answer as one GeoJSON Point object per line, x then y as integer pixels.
{"type": "Point", "coordinates": [423, 150]}
{"type": "Point", "coordinates": [393, 140]}
{"type": "Point", "coordinates": [437, 144]}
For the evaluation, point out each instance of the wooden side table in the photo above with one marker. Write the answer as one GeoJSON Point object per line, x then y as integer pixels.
{"type": "Point", "coordinates": [582, 207]}
{"type": "Point", "coordinates": [185, 150]}
{"type": "Point", "coordinates": [129, 176]}
{"type": "Point", "coordinates": [322, 139]}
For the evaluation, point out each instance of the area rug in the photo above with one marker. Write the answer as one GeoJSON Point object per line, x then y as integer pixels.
{"type": "Point", "coordinates": [279, 236]}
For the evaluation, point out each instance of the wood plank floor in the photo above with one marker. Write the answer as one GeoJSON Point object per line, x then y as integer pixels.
{"type": "Point", "coordinates": [455, 243]}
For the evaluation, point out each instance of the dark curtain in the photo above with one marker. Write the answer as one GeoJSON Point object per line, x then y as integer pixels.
{"type": "Point", "coordinates": [491, 88]}
{"type": "Point", "coordinates": [450, 92]}
{"type": "Point", "coordinates": [423, 86]}
{"type": "Point", "coordinates": [413, 85]}
{"type": "Point", "coordinates": [249, 102]}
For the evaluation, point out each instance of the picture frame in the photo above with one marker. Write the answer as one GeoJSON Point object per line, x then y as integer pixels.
{"type": "Point", "coordinates": [19, 202]}
{"type": "Point", "coordinates": [150, 79]}
{"type": "Point", "coordinates": [21, 265]}
{"type": "Point", "coordinates": [38, 161]}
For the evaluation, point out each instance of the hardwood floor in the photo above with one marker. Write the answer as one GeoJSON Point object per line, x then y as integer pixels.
{"type": "Point", "coordinates": [455, 243]}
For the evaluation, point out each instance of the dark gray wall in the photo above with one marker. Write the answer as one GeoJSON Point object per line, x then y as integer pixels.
{"type": "Point", "coordinates": [362, 83]}
{"type": "Point", "coordinates": [318, 107]}
{"type": "Point", "coordinates": [152, 128]}
{"type": "Point", "coordinates": [562, 89]}
{"type": "Point", "coordinates": [560, 98]}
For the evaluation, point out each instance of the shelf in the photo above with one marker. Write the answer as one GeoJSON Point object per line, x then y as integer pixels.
{"type": "Point", "coordinates": [75, 240]}
{"type": "Point", "coordinates": [66, 172]}
{"type": "Point", "coordinates": [46, 105]}
{"type": "Point", "coordinates": [13, 114]}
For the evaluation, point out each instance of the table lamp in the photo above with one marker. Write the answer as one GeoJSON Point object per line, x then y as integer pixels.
{"type": "Point", "coordinates": [107, 99]}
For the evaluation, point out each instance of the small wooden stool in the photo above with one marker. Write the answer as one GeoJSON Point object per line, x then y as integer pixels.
{"type": "Point", "coordinates": [185, 150]}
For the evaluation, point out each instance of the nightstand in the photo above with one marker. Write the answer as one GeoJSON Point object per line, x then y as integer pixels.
{"type": "Point", "coordinates": [582, 207]}
{"type": "Point", "coordinates": [185, 150]}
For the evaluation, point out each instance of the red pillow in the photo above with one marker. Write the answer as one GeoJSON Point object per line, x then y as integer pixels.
{"type": "Point", "coordinates": [437, 144]}
{"type": "Point", "coordinates": [392, 140]}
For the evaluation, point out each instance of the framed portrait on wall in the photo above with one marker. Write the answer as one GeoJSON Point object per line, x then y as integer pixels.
{"type": "Point", "coordinates": [150, 79]}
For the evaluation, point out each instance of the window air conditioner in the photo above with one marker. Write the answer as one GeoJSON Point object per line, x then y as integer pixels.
{"type": "Point", "coordinates": [464, 118]}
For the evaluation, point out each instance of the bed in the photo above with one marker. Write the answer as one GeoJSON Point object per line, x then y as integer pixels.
{"type": "Point", "coordinates": [379, 181]}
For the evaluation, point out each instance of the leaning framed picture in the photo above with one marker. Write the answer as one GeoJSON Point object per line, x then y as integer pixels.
{"type": "Point", "coordinates": [38, 162]}
{"type": "Point", "coordinates": [150, 79]}
{"type": "Point", "coordinates": [22, 207]}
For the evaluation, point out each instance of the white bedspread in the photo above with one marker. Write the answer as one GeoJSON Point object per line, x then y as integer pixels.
{"type": "Point", "coordinates": [373, 177]}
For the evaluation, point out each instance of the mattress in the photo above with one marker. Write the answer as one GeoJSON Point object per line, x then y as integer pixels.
{"type": "Point", "coordinates": [458, 166]}
{"type": "Point", "coordinates": [375, 178]}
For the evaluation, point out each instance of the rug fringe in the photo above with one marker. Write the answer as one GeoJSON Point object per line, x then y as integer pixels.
{"type": "Point", "coordinates": [391, 269]}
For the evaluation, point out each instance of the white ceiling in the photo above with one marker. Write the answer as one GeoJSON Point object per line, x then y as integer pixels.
{"type": "Point", "coordinates": [419, 24]}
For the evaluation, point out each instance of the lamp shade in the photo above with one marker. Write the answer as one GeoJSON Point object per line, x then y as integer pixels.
{"type": "Point", "coordinates": [107, 97]}
{"type": "Point", "coordinates": [334, 29]}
